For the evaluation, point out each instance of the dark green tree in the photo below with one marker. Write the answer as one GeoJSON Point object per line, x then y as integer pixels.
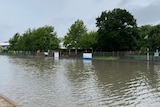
{"type": "Point", "coordinates": [117, 31]}
{"type": "Point", "coordinates": [143, 41]}
{"type": "Point", "coordinates": [154, 38]}
{"type": "Point", "coordinates": [72, 39]}
{"type": "Point", "coordinates": [25, 42]}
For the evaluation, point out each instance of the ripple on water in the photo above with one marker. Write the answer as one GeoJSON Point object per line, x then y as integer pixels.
{"type": "Point", "coordinates": [73, 82]}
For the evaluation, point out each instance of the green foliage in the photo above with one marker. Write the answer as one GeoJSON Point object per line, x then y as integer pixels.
{"type": "Point", "coordinates": [154, 38]}
{"type": "Point", "coordinates": [0, 49]}
{"type": "Point", "coordinates": [89, 40]}
{"type": "Point", "coordinates": [105, 58]}
{"type": "Point", "coordinates": [143, 49]}
{"type": "Point", "coordinates": [42, 38]}
{"type": "Point", "coordinates": [72, 39]}
{"type": "Point", "coordinates": [117, 30]}
{"type": "Point", "coordinates": [143, 33]}
{"type": "Point", "coordinates": [14, 42]}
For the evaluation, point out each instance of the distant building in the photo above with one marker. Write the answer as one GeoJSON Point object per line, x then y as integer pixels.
{"type": "Point", "coordinates": [62, 46]}
{"type": "Point", "coordinates": [4, 46]}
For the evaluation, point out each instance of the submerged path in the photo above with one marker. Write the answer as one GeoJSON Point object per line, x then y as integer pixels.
{"type": "Point", "coordinates": [5, 102]}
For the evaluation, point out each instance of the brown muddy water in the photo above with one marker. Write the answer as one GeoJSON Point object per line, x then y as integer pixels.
{"type": "Point", "coordinates": [48, 82]}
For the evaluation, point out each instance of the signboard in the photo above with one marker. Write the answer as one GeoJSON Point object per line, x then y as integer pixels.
{"type": "Point", "coordinates": [156, 54]}
{"type": "Point", "coordinates": [87, 55]}
{"type": "Point", "coordinates": [56, 54]}
{"type": "Point", "coordinates": [46, 53]}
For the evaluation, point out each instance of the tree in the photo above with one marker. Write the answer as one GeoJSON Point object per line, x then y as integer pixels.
{"type": "Point", "coordinates": [117, 31]}
{"type": "Point", "coordinates": [89, 40]}
{"type": "Point", "coordinates": [143, 33]}
{"type": "Point", "coordinates": [42, 38]}
{"type": "Point", "coordinates": [25, 42]}
{"type": "Point", "coordinates": [1, 49]}
{"type": "Point", "coordinates": [45, 38]}
{"type": "Point", "coordinates": [154, 38]}
{"type": "Point", "coordinates": [72, 39]}
{"type": "Point", "coordinates": [14, 41]}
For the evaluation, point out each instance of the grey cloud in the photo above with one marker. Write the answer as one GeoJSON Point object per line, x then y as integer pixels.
{"type": "Point", "coordinates": [149, 14]}
{"type": "Point", "coordinates": [145, 11]}
{"type": "Point", "coordinates": [4, 31]}
{"type": "Point", "coordinates": [24, 14]}
{"type": "Point", "coordinates": [123, 2]}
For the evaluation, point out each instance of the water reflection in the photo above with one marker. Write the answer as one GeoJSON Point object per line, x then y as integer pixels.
{"type": "Point", "coordinates": [48, 82]}
{"type": "Point", "coordinates": [127, 83]}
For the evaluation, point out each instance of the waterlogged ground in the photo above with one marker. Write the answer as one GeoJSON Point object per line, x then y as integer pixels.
{"type": "Point", "coordinates": [47, 82]}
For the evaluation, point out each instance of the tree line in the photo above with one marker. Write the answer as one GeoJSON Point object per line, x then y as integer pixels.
{"type": "Point", "coordinates": [42, 38]}
{"type": "Point", "coordinates": [117, 31]}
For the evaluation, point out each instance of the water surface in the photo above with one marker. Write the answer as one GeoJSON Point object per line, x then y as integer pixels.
{"type": "Point", "coordinates": [47, 82]}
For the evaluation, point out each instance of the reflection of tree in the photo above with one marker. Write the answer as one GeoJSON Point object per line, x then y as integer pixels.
{"type": "Point", "coordinates": [153, 76]}
{"type": "Point", "coordinates": [124, 82]}
{"type": "Point", "coordinates": [37, 66]}
{"type": "Point", "coordinates": [110, 83]}
{"type": "Point", "coordinates": [150, 74]}
{"type": "Point", "coordinates": [83, 77]}
{"type": "Point", "coordinates": [76, 70]}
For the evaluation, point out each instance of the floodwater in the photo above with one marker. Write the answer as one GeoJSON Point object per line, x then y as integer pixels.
{"type": "Point", "coordinates": [48, 82]}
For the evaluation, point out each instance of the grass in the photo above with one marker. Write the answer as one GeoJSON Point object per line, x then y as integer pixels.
{"type": "Point", "coordinates": [139, 56]}
{"type": "Point", "coordinates": [105, 58]}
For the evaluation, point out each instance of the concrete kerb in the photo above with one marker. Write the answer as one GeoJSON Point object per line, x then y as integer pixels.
{"type": "Point", "coordinates": [9, 101]}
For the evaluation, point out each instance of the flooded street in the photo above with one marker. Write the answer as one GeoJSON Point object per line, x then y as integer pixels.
{"type": "Point", "coordinates": [48, 82]}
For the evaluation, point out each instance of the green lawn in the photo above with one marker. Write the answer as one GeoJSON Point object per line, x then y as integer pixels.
{"type": "Point", "coordinates": [139, 56]}
{"type": "Point", "coordinates": [105, 58]}
{"type": "Point", "coordinates": [0, 49]}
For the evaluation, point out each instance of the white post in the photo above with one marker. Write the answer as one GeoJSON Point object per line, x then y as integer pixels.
{"type": "Point", "coordinates": [147, 54]}
{"type": "Point", "coordinates": [156, 50]}
{"type": "Point", "coordinates": [56, 55]}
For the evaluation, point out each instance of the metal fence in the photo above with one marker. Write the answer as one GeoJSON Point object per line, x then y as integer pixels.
{"type": "Point", "coordinates": [130, 55]}
{"type": "Point", "coordinates": [127, 55]}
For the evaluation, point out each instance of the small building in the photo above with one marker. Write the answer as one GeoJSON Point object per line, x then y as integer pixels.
{"type": "Point", "coordinates": [4, 46]}
{"type": "Point", "coordinates": [62, 46]}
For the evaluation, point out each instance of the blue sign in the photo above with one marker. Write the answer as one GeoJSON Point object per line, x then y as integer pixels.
{"type": "Point", "coordinates": [156, 54]}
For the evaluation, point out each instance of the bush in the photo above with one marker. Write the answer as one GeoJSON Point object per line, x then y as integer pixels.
{"type": "Point", "coordinates": [143, 49]}
{"type": "Point", "coordinates": [0, 48]}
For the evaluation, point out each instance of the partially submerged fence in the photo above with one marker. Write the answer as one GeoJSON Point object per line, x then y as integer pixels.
{"type": "Point", "coordinates": [130, 55]}
{"type": "Point", "coordinates": [127, 55]}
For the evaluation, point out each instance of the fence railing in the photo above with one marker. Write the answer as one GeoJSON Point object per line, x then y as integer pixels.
{"type": "Point", "coordinates": [127, 55]}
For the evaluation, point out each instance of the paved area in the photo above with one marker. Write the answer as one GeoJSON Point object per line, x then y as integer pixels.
{"type": "Point", "coordinates": [4, 102]}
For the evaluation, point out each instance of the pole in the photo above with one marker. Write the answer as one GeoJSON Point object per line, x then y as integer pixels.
{"type": "Point", "coordinates": [147, 54]}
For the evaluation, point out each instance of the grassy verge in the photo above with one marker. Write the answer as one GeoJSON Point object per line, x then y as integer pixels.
{"type": "Point", "coordinates": [139, 56]}
{"type": "Point", "coordinates": [105, 58]}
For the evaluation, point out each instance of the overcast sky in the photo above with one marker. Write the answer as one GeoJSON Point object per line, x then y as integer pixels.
{"type": "Point", "coordinates": [19, 15]}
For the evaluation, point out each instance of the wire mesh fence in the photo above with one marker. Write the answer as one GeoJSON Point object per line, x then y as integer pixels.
{"type": "Point", "coordinates": [130, 55]}
{"type": "Point", "coordinates": [127, 55]}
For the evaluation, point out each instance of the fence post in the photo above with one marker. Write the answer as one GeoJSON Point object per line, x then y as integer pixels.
{"type": "Point", "coordinates": [139, 55]}
{"type": "Point", "coordinates": [113, 54]}
{"type": "Point", "coordinates": [147, 54]}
